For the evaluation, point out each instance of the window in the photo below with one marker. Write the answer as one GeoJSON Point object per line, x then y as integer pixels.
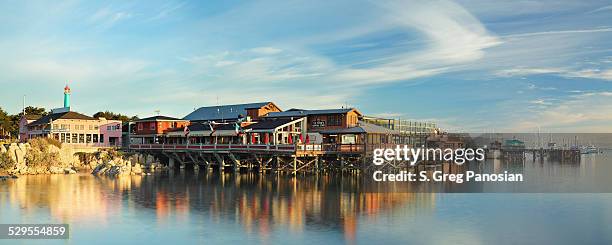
{"type": "Point", "coordinates": [95, 138]}
{"type": "Point", "coordinates": [108, 128]}
{"type": "Point", "coordinates": [334, 120]}
{"type": "Point", "coordinates": [101, 138]}
{"type": "Point", "coordinates": [152, 126]}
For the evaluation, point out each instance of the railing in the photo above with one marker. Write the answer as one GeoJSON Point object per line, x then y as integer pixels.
{"type": "Point", "coordinates": [355, 148]}
{"type": "Point", "coordinates": [337, 148]}
{"type": "Point", "coordinates": [344, 147]}
{"type": "Point", "coordinates": [310, 147]}
{"type": "Point", "coordinates": [214, 147]}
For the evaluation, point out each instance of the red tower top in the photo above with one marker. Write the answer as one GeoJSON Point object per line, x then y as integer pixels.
{"type": "Point", "coordinates": [66, 89]}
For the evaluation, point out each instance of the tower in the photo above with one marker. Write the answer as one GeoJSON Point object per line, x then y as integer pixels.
{"type": "Point", "coordinates": [66, 97]}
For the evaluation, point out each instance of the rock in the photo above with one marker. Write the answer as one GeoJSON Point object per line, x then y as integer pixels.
{"type": "Point", "coordinates": [100, 169]}
{"type": "Point", "coordinates": [69, 171]}
{"type": "Point", "coordinates": [137, 170]}
{"type": "Point", "coordinates": [55, 170]}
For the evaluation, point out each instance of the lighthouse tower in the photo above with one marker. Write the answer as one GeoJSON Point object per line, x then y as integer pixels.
{"type": "Point", "coordinates": [67, 97]}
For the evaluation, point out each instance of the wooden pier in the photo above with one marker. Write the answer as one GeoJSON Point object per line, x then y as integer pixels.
{"type": "Point", "coordinates": [289, 158]}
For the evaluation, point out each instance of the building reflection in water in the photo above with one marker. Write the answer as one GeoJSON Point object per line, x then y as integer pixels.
{"type": "Point", "coordinates": [260, 204]}
{"type": "Point", "coordinates": [69, 198]}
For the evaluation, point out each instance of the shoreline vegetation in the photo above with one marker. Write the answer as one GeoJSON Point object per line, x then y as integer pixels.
{"type": "Point", "coordinates": [48, 156]}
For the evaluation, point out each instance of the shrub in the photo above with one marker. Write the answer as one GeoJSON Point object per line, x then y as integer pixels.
{"type": "Point", "coordinates": [6, 162]}
{"type": "Point", "coordinates": [109, 154]}
{"type": "Point", "coordinates": [39, 155]}
{"type": "Point", "coordinates": [54, 142]}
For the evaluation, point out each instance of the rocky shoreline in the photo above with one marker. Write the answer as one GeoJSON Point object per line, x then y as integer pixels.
{"type": "Point", "coordinates": [42, 157]}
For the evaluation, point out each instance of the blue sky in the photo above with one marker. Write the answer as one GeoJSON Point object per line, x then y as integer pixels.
{"type": "Point", "coordinates": [468, 65]}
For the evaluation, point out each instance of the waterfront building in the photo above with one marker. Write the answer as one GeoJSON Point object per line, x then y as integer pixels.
{"type": "Point", "coordinates": [363, 137]}
{"type": "Point", "coordinates": [341, 129]}
{"type": "Point", "coordinates": [231, 113]}
{"type": "Point", "coordinates": [73, 128]}
{"type": "Point", "coordinates": [321, 120]}
{"type": "Point", "coordinates": [270, 131]}
{"type": "Point", "coordinates": [149, 130]}
{"type": "Point", "coordinates": [513, 144]}
{"type": "Point", "coordinates": [447, 141]}
{"type": "Point", "coordinates": [23, 126]}
{"type": "Point", "coordinates": [411, 132]}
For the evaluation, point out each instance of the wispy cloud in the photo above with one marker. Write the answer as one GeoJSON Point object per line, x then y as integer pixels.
{"type": "Point", "coordinates": [106, 17]}
{"type": "Point", "coordinates": [559, 32]}
{"type": "Point", "coordinates": [601, 9]}
{"type": "Point", "coordinates": [564, 72]}
{"type": "Point", "coordinates": [166, 10]}
{"type": "Point", "coordinates": [465, 63]}
{"type": "Point", "coordinates": [583, 113]}
{"type": "Point", "coordinates": [266, 50]}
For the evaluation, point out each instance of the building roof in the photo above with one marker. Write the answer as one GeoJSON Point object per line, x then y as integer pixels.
{"type": "Point", "coordinates": [514, 142]}
{"type": "Point", "coordinates": [222, 112]}
{"type": "Point", "coordinates": [62, 115]}
{"type": "Point", "coordinates": [204, 127]}
{"type": "Point", "coordinates": [302, 112]}
{"type": "Point", "coordinates": [159, 118]}
{"type": "Point", "coordinates": [361, 128]}
{"type": "Point", "coordinates": [268, 124]}
{"type": "Point", "coordinates": [32, 117]}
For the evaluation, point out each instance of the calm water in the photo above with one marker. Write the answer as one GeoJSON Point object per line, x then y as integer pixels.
{"type": "Point", "coordinates": [183, 207]}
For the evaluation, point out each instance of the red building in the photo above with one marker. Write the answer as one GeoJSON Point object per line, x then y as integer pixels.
{"type": "Point", "coordinates": [148, 130]}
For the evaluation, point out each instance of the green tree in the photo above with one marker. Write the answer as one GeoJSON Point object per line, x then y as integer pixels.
{"type": "Point", "coordinates": [32, 110]}
{"type": "Point", "coordinates": [7, 125]}
{"type": "Point", "coordinates": [114, 116]}
{"type": "Point", "coordinates": [6, 162]}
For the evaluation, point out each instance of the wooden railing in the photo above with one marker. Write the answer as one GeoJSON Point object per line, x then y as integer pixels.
{"type": "Point", "coordinates": [335, 148]}
{"type": "Point", "coordinates": [344, 147]}
{"type": "Point", "coordinates": [310, 147]}
{"type": "Point", "coordinates": [214, 147]}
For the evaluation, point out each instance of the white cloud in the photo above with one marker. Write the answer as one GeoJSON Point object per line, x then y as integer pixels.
{"type": "Point", "coordinates": [601, 9]}
{"type": "Point", "coordinates": [560, 32]}
{"type": "Point", "coordinates": [107, 17]}
{"type": "Point", "coordinates": [266, 50]}
{"type": "Point", "coordinates": [588, 112]}
{"type": "Point", "coordinates": [453, 36]}
{"type": "Point", "coordinates": [166, 10]}
{"type": "Point", "coordinates": [563, 72]}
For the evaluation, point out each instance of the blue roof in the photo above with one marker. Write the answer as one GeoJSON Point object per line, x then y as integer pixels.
{"type": "Point", "coordinates": [222, 112]}
{"type": "Point", "coordinates": [300, 112]}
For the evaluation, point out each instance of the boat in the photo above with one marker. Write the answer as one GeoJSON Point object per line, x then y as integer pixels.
{"type": "Point", "coordinates": [591, 149]}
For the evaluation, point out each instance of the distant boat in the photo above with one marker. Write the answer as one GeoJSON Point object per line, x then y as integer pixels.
{"type": "Point", "coordinates": [591, 149]}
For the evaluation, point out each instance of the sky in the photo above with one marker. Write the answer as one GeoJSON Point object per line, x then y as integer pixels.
{"type": "Point", "coordinates": [475, 66]}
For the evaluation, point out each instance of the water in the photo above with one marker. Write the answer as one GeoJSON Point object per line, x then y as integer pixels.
{"type": "Point", "coordinates": [183, 207]}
